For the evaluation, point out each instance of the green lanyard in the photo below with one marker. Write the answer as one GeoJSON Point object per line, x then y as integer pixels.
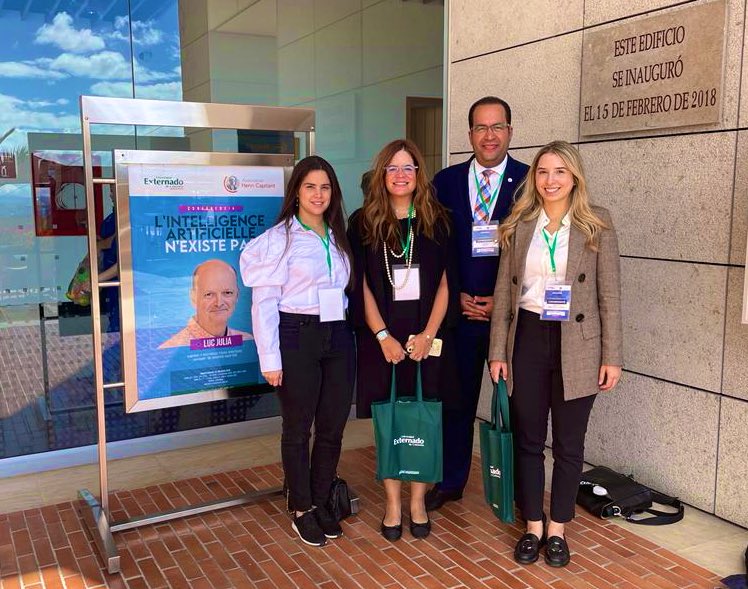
{"type": "Point", "coordinates": [487, 206]}
{"type": "Point", "coordinates": [405, 243]}
{"type": "Point", "coordinates": [551, 248]}
{"type": "Point", "coordinates": [325, 241]}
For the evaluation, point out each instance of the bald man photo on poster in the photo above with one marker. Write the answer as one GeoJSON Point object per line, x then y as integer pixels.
{"type": "Point", "coordinates": [213, 294]}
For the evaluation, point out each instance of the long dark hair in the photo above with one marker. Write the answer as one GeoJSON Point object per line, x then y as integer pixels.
{"type": "Point", "coordinates": [379, 221]}
{"type": "Point", "coordinates": [334, 215]}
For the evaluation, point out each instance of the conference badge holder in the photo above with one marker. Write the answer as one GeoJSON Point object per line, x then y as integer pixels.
{"type": "Point", "coordinates": [556, 301]}
{"type": "Point", "coordinates": [410, 290]}
{"type": "Point", "coordinates": [331, 304]}
{"type": "Point", "coordinates": [485, 239]}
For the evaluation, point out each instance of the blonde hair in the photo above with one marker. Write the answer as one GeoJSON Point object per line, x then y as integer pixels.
{"type": "Point", "coordinates": [530, 203]}
{"type": "Point", "coordinates": [379, 221]}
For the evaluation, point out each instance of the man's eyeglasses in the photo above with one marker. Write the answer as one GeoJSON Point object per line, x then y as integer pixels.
{"type": "Point", "coordinates": [407, 169]}
{"type": "Point", "coordinates": [496, 128]}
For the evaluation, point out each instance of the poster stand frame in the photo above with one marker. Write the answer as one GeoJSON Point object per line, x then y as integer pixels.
{"type": "Point", "coordinates": [140, 112]}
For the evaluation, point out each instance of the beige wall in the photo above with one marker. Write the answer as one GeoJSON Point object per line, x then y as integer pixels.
{"type": "Point", "coordinates": [354, 61]}
{"type": "Point", "coordinates": [679, 418]}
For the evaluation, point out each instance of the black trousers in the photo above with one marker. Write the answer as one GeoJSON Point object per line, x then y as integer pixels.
{"type": "Point", "coordinates": [459, 419]}
{"type": "Point", "coordinates": [538, 388]}
{"type": "Point", "coordinates": [318, 375]}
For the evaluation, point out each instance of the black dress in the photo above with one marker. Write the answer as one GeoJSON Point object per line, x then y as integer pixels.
{"type": "Point", "coordinates": [402, 318]}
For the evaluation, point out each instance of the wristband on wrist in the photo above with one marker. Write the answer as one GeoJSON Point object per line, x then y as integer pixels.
{"type": "Point", "coordinates": [382, 334]}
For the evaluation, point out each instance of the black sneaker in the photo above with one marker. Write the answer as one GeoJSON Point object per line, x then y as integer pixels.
{"type": "Point", "coordinates": [308, 529]}
{"type": "Point", "coordinates": [330, 527]}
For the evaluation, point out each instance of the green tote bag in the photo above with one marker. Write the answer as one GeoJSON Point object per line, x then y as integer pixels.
{"type": "Point", "coordinates": [408, 436]}
{"type": "Point", "coordinates": [497, 456]}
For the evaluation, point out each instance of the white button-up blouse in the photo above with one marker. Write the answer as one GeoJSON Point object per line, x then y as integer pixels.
{"type": "Point", "coordinates": [284, 270]}
{"type": "Point", "coordinates": [538, 263]}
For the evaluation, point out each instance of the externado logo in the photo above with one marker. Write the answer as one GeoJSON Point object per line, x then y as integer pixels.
{"type": "Point", "coordinates": [167, 181]}
{"type": "Point", "coordinates": [409, 440]}
{"type": "Point", "coordinates": [495, 472]}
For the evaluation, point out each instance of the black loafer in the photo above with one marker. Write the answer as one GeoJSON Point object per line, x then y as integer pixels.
{"type": "Point", "coordinates": [527, 549]}
{"type": "Point", "coordinates": [436, 497]}
{"type": "Point", "coordinates": [392, 533]}
{"type": "Point", "coordinates": [420, 530]}
{"type": "Point", "coordinates": [557, 552]}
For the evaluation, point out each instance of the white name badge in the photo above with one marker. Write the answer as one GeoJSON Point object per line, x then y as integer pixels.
{"type": "Point", "coordinates": [485, 239]}
{"type": "Point", "coordinates": [556, 301]}
{"type": "Point", "coordinates": [411, 290]}
{"type": "Point", "coordinates": [331, 304]}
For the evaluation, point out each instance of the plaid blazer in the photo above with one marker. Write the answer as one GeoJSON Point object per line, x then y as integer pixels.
{"type": "Point", "coordinates": [593, 335]}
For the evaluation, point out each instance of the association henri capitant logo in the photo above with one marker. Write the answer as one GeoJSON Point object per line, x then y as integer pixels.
{"type": "Point", "coordinates": [231, 183]}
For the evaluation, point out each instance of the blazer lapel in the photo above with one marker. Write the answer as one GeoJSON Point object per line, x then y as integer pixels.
{"type": "Point", "coordinates": [464, 192]}
{"type": "Point", "coordinates": [522, 239]}
{"type": "Point", "coordinates": [576, 251]}
{"type": "Point", "coordinates": [506, 191]}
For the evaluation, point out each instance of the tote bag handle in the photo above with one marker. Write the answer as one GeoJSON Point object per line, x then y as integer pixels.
{"type": "Point", "coordinates": [419, 386]}
{"type": "Point", "coordinates": [500, 407]}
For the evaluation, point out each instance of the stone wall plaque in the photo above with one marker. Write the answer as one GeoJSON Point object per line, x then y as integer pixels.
{"type": "Point", "coordinates": [656, 72]}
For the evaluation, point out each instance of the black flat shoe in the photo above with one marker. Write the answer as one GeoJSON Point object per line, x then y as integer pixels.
{"type": "Point", "coordinates": [392, 533]}
{"type": "Point", "coordinates": [557, 552]}
{"type": "Point", "coordinates": [420, 530]}
{"type": "Point", "coordinates": [527, 549]}
{"type": "Point", "coordinates": [436, 497]}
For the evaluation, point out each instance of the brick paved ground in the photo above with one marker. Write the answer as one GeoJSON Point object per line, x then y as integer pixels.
{"type": "Point", "coordinates": [253, 546]}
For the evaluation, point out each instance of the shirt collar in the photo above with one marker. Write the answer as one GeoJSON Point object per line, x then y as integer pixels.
{"type": "Point", "coordinates": [296, 226]}
{"type": "Point", "coordinates": [544, 220]}
{"type": "Point", "coordinates": [497, 169]}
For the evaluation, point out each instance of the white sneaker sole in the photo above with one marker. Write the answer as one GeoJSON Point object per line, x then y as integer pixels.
{"type": "Point", "coordinates": [333, 537]}
{"type": "Point", "coordinates": [305, 541]}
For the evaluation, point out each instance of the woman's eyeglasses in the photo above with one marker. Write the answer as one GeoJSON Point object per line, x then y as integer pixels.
{"type": "Point", "coordinates": [407, 169]}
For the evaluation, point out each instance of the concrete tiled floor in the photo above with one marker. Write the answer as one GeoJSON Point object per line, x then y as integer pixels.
{"type": "Point", "coordinates": [700, 538]}
{"type": "Point", "coordinates": [253, 546]}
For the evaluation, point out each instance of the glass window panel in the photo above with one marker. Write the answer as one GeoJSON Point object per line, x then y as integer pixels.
{"type": "Point", "coordinates": [362, 67]}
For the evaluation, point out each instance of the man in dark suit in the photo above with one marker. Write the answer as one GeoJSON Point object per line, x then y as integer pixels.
{"type": "Point", "coordinates": [478, 193]}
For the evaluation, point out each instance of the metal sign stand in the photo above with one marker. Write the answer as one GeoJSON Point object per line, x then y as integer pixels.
{"type": "Point", "coordinates": [125, 111]}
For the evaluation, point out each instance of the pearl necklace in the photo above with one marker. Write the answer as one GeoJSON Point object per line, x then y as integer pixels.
{"type": "Point", "coordinates": [408, 262]}
{"type": "Point", "coordinates": [409, 239]}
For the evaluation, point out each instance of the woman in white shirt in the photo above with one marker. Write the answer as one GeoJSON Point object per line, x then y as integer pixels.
{"type": "Point", "coordinates": [555, 335]}
{"type": "Point", "coordinates": [299, 270]}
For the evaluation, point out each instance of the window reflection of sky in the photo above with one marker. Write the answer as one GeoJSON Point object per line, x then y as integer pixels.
{"type": "Point", "coordinates": [50, 59]}
{"type": "Point", "coordinates": [54, 51]}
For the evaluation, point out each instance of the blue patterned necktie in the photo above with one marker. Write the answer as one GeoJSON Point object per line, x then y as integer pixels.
{"type": "Point", "coordinates": [483, 206]}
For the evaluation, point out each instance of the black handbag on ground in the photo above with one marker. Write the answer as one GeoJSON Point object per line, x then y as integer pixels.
{"type": "Point", "coordinates": [339, 503]}
{"type": "Point", "coordinates": [607, 494]}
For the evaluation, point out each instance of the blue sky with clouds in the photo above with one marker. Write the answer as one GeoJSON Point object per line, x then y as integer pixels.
{"type": "Point", "coordinates": [46, 65]}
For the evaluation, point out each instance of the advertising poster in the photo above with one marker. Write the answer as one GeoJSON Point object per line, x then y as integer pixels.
{"type": "Point", "coordinates": [189, 224]}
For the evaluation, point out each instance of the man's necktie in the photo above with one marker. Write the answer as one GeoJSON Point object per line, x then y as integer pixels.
{"type": "Point", "coordinates": [483, 206]}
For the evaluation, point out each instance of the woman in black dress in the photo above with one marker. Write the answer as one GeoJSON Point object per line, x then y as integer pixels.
{"type": "Point", "coordinates": [402, 299]}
